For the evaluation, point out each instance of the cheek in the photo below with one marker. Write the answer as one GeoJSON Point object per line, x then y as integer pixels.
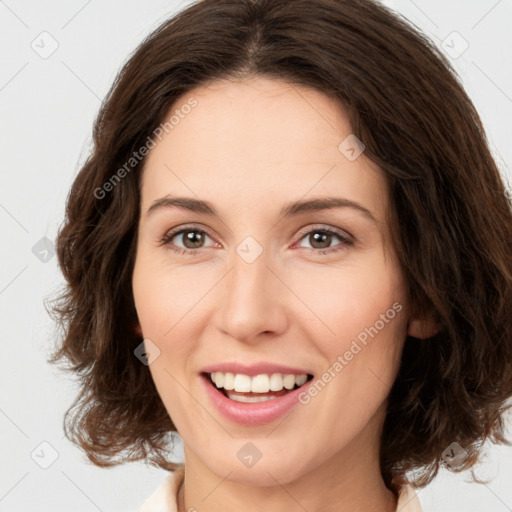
{"type": "Point", "coordinates": [165, 296]}
{"type": "Point", "coordinates": [343, 301]}
{"type": "Point", "coordinates": [169, 301]}
{"type": "Point", "coordinates": [162, 301]}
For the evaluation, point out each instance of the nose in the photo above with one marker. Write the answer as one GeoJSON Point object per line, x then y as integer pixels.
{"type": "Point", "coordinates": [252, 302]}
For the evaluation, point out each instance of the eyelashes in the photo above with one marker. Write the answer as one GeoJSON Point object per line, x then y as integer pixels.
{"type": "Point", "coordinates": [167, 239]}
{"type": "Point", "coordinates": [346, 240]}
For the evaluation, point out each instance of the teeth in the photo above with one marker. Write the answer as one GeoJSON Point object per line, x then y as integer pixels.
{"type": "Point", "coordinates": [242, 383]}
{"type": "Point", "coordinates": [289, 381]}
{"type": "Point", "coordinates": [219, 379]}
{"type": "Point", "coordinates": [250, 399]}
{"type": "Point", "coordinates": [229, 381]}
{"type": "Point", "coordinates": [276, 382]}
{"type": "Point", "coordinates": [259, 384]}
{"type": "Point", "coordinates": [262, 383]}
{"type": "Point", "coordinates": [301, 379]}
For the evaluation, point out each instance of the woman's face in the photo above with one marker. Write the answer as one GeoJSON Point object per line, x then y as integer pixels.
{"type": "Point", "coordinates": [259, 288]}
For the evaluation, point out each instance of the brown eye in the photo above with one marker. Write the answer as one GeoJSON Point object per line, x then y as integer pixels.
{"type": "Point", "coordinates": [186, 240]}
{"type": "Point", "coordinates": [193, 238]}
{"type": "Point", "coordinates": [320, 240]}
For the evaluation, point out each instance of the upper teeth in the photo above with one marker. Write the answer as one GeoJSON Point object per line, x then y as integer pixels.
{"type": "Point", "coordinates": [262, 383]}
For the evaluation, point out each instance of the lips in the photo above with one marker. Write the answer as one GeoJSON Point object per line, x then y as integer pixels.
{"type": "Point", "coordinates": [257, 381]}
{"type": "Point", "coordinates": [254, 394]}
{"type": "Point", "coordinates": [255, 369]}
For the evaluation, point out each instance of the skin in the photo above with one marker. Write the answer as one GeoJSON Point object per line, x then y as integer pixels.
{"type": "Point", "coordinates": [249, 147]}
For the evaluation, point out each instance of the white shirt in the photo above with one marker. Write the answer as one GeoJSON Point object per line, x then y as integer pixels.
{"type": "Point", "coordinates": [164, 498]}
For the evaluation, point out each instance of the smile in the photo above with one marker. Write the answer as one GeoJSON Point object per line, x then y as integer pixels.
{"type": "Point", "coordinates": [244, 388]}
{"type": "Point", "coordinates": [254, 399]}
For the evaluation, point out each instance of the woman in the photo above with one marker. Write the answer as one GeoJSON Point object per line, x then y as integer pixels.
{"type": "Point", "coordinates": [291, 245]}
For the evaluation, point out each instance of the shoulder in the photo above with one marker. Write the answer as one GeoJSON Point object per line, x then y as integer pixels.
{"type": "Point", "coordinates": [163, 498]}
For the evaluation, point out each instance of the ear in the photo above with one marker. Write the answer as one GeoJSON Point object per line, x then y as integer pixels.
{"type": "Point", "coordinates": [422, 328]}
{"type": "Point", "coordinates": [138, 329]}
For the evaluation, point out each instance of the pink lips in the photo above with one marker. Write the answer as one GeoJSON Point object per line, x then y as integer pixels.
{"type": "Point", "coordinates": [258, 413]}
{"type": "Point", "coordinates": [254, 369]}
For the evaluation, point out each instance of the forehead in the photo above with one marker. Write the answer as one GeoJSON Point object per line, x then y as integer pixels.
{"type": "Point", "coordinates": [250, 141]}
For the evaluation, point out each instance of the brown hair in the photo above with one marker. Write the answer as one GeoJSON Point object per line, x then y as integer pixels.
{"type": "Point", "coordinates": [450, 217]}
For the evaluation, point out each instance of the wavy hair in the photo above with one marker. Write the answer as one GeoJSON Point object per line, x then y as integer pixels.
{"type": "Point", "coordinates": [450, 218]}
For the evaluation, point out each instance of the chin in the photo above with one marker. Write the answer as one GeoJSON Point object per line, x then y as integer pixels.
{"type": "Point", "coordinates": [278, 466]}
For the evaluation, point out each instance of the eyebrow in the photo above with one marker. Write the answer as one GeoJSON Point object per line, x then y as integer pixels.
{"type": "Point", "coordinates": [291, 209]}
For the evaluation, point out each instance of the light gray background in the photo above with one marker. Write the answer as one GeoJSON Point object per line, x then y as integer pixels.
{"type": "Point", "coordinates": [47, 110]}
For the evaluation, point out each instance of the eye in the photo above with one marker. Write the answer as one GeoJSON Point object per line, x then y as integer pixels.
{"type": "Point", "coordinates": [191, 237]}
{"type": "Point", "coordinates": [320, 239]}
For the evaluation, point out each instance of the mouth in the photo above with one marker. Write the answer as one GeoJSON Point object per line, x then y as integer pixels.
{"type": "Point", "coordinates": [240, 387]}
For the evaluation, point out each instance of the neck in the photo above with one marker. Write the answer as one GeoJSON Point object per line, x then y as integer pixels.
{"type": "Point", "coordinates": [349, 481]}
{"type": "Point", "coordinates": [311, 494]}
